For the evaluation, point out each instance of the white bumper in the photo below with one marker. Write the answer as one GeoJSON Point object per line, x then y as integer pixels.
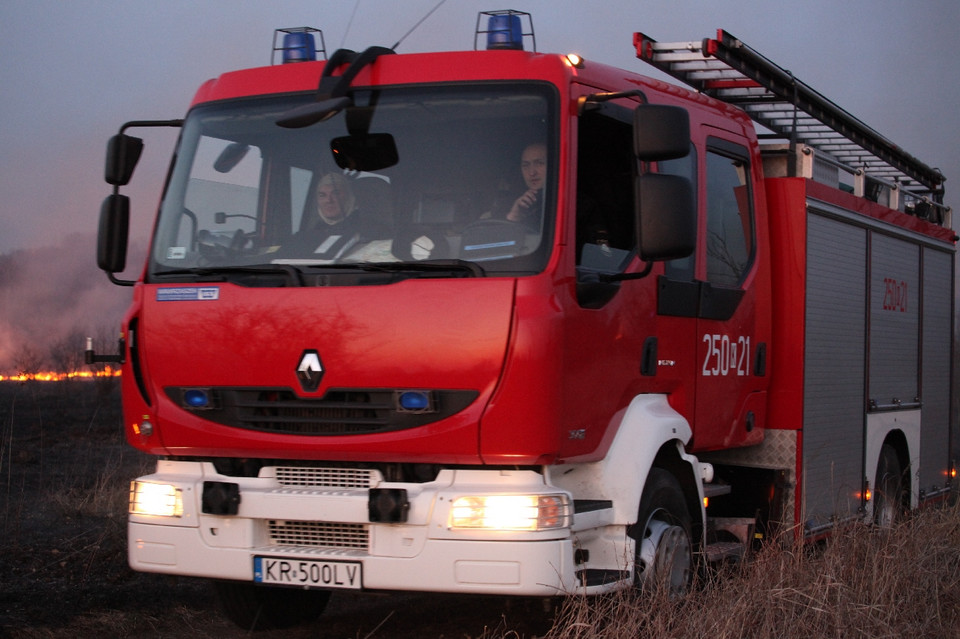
{"type": "Point", "coordinates": [423, 553]}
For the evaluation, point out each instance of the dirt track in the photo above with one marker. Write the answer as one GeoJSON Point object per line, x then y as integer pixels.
{"type": "Point", "coordinates": [64, 473]}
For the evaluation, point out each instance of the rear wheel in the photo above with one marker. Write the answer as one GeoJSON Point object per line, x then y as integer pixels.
{"type": "Point", "coordinates": [254, 607]}
{"type": "Point", "coordinates": [664, 554]}
{"type": "Point", "coordinates": [888, 496]}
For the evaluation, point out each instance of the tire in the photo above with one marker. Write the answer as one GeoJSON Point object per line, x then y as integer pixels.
{"type": "Point", "coordinates": [664, 553]}
{"type": "Point", "coordinates": [889, 489]}
{"type": "Point", "coordinates": [253, 607]}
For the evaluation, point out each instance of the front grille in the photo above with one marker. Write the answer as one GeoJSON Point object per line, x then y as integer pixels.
{"type": "Point", "coordinates": [338, 412]}
{"type": "Point", "coordinates": [306, 476]}
{"type": "Point", "coordinates": [325, 474]}
{"type": "Point", "coordinates": [319, 534]}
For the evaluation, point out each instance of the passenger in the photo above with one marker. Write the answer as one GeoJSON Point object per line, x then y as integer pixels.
{"type": "Point", "coordinates": [526, 208]}
{"type": "Point", "coordinates": [533, 168]}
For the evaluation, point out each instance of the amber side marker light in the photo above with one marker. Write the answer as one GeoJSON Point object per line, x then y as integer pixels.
{"type": "Point", "coordinates": [574, 60]}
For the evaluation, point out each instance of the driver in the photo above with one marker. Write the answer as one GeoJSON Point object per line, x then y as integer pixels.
{"type": "Point", "coordinates": [337, 224]}
{"type": "Point", "coordinates": [335, 200]}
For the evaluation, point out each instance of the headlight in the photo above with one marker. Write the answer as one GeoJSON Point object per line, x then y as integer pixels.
{"type": "Point", "coordinates": [161, 500]}
{"type": "Point", "coordinates": [511, 512]}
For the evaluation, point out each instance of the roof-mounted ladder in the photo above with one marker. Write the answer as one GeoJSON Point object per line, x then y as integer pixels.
{"type": "Point", "coordinates": [728, 70]}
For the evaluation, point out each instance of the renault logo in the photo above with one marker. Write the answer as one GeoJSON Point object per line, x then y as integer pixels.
{"type": "Point", "coordinates": [310, 370]}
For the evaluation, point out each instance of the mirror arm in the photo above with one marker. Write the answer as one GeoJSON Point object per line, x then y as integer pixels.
{"type": "Point", "coordinates": [151, 123]}
{"type": "Point", "coordinates": [331, 86]}
{"type": "Point", "coordinates": [119, 282]}
{"type": "Point", "coordinates": [589, 102]}
{"type": "Point", "coordinates": [622, 277]}
{"type": "Point", "coordinates": [332, 92]}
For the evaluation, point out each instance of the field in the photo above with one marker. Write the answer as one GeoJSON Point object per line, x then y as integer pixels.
{"type": "Point", "coordinates": [64, 472]}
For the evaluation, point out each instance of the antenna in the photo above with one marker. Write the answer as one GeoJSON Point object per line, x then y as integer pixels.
{"type": "Point", "coordinates": [350, 22]}
{"type": "Point", "coordinates": [412, 29]}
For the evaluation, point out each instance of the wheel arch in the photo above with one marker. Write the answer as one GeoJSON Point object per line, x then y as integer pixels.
{"type": "Point", "coordinates": [901, 431]}
{"type": "Point", "coordinates": [897, 440]}
{"type": "Point", "coordinates": [650, 434]}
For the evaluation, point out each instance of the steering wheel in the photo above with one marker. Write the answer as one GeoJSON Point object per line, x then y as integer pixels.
{"type": "Point", "coordinates": [418, 243]}
{"type": "Point", "coordinates": [240, 241]}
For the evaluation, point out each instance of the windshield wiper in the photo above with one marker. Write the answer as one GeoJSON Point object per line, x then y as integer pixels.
{"type": "Point", "coordinates": [429, 266]}
{"type": "Point", "coordinates": [424, 266]}
{"type": "Point", "coordinates": [294, 275]}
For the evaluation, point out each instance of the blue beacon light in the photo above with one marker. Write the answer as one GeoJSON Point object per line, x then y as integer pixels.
{"type": "Point", "coordinates": [299, 46]}
{"type": "Point", "coordinates": [504, 32]}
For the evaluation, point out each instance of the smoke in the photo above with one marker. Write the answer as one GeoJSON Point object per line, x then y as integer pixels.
{"type": "Point", "coordinates": [52, 297]}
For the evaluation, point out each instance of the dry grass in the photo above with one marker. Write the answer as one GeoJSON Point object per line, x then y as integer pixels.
{"type": "Point", "coordinates": [864, 582]}
{"type": "Point", "coordinates": [64, 473]}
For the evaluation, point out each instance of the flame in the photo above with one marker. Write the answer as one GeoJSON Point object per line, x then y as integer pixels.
{"type": "Point", "coordinates": [54, 376]}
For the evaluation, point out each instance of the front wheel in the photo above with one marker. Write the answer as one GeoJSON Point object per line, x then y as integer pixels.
{"type": "Point", "coordinates": [664, 553]}
{"type": "Point", "coordinates": [254, 607]}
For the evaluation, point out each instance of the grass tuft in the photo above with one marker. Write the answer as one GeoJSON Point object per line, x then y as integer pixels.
{"type": "Point", "coordinates": [863, 582]}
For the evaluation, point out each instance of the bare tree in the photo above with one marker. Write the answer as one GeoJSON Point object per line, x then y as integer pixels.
{"type": "Point", "coordinates": [66, 354]}
{"type": "Point", "coordinates": [28, 360]}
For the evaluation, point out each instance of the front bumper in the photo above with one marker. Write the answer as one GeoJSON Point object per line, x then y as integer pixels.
{"type": "Point", "coordinates": [331, 524]}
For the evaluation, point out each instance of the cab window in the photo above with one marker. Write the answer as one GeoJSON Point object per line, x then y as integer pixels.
{"type": "Point", "coordinates": [605, 220]}
{"type": "Point", "coordinates": [730, 228]}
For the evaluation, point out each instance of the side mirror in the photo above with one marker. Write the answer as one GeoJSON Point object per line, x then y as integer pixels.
{"type": "Point", "coordinates": [123, 153]}
{"type": "Point", "coordinates": [112, 233]}
{"type": "Point", "coordinates": [666, 217]}
{"type": "Point", "coordinates": [660, 132]}
{"type": "Point", "coordinates": [230, 157]}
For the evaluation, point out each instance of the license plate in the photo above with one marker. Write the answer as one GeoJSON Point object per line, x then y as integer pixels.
{"type": "Point", "coordinates": [307, 572]}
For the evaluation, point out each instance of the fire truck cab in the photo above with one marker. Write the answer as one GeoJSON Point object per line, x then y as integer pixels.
{"type": "Point", "coordinates": [503, 322]}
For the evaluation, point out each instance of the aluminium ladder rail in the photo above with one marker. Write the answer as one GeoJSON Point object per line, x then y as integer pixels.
{"type": "Point", "coordinates": [728, 70]}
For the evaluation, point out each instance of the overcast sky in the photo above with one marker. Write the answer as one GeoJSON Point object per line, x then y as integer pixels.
{"type": "Point", "coordinates": [73, 71]}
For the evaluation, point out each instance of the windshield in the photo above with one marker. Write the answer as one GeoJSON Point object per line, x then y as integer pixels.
{"type": "Point", "coordinates": [421, 177]}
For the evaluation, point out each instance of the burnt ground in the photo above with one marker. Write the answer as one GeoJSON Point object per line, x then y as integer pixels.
{"type": "Point", "coordinates": [64, 474]}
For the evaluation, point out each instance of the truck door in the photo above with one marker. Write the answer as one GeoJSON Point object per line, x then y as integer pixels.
{"type": "Point", "coordinates": [732, 320]}
{"type": "Point", "coordinates": [608, 322]}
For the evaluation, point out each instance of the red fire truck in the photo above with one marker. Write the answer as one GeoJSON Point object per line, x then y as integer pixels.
{"type": "Point", "coordinates": [506, 322]}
